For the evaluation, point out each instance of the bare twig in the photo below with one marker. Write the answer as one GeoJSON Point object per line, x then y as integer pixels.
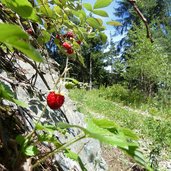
{"type": "Point", "coordinates": [13, 82]}
{"type": "Point", "coordinates": [149, 35]}
{"type": "Point", "coordinates": [37, 70]}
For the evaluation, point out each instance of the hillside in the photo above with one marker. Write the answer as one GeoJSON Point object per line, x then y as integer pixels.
{"type": "Point", "coordinates": [153, 129]}
{"type": "Point", "coordinates": [121, 120]}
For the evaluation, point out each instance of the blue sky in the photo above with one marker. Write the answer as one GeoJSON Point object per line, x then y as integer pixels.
{"type": "Point", "coordinates": [109, 10]}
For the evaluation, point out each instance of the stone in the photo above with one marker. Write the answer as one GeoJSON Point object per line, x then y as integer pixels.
{"type": "Point", "coordinates": [89, 150]}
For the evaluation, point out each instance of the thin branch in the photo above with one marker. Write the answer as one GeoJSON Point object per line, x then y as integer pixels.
{"type": "Point", "coordinates": [60, 149]}
{"type": "Point", "coordinates": [35, 67]}
{"type": "Point", "coordinates": [149, 35]}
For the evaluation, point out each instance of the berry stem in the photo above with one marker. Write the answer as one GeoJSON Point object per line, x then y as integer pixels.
{"type": "Point", "coordinates": [79, 137]}
{"type": "Point", "coordinates": [33, 131]}
{"type": "Point", "coordinates": [62, 75]}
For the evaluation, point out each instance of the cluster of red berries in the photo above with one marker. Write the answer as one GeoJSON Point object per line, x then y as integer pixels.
{"type": "Point", "coordinates": [68, 36]}
{"type": "Point", "coordinates": [55, 100]}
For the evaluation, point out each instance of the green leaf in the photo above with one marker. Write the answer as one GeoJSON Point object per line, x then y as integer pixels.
{"type": "Point", "coordinates": [70, 154]}
{"type": "Point", "coordinates": [20, 139]}
{"type": "Point", "coordinates": [105, 136]}
{"type": "Point", "coordinates": [12, 35]}
{"type": "Point", "coordinates": [58, 11]}
{"type": "Point", "coordinates": [103, 130]}
{"type": "Point", "coordinates": [46, 137]}
{"type": "Point", "coordinates": [110, 125]}
{"type": "Point", "coordinates": [23, 8]}
{"type": "Point", "coordinates": [101, 134]}
{"type": "Point", "coordinates": [81, 59]}
{"type": "Point", "coordinates": [100, 21]}
{"type": "Point", "coordinates": [101, 13]}
{"type": "Point", "coordinates": [114, 23]}
{"type": "Point", "coordinates": [129, 133]}
{"type": "Point", "coordinates": [31, 150]}
{"type": "Point", "coordinates": [103, 37]}
{"type": "Point", "coordinates": [46, 127]}
{"type": "Point", "coordinates": [138, 156]}
{"type": "Point", "coordinates": [74, 81]}
{"type": "Point", "coordinates": [91, 35]}
{"type": "Point", "coordinates": [102, 28]}
{"type": "Point", "coordinates": [93, 22]}
{"type": "Point", "coordinates": [82, 13]}
{"type": "Point", "coordinates": [11, 31]}
{"type": "Point", "coordinates": [26, 48]}
{"type": "Point", "coordinates": [20, 103]}
{"type": "Point", "coordinates": [88, 6]}
{"type": "Point", "coordinates": [105, 123]}
{"type": "Point", "coordinates": [46, 10]}
{"type": "Point", "coordinates": [102, 3]}
{"type": "Point", "coordinates": [69, 85]}
{"type": "Point", "coordinates": [6, 93]}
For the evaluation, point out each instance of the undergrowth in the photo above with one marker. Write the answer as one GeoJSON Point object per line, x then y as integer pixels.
{"type": "Point", "coordinates": [156, 128]}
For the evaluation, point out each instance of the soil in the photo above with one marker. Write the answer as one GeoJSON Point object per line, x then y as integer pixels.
{"type": "Point", "coordinates": [118, 161]}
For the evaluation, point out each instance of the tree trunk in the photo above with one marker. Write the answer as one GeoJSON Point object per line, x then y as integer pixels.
{"type": "Point", "coordinates": [90, 74]}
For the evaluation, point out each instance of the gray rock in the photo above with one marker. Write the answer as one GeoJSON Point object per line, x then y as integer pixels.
{"type": "Point", "coordinates": [88, 149]}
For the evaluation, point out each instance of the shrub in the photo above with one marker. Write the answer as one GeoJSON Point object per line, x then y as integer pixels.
{"type": "Point", "coordinates": [120, 93]}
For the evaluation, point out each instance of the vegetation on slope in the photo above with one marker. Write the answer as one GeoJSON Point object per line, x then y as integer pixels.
{"type": "Point", "coordinates": [154, 131]}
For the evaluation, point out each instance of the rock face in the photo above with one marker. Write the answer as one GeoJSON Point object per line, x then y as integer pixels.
{"type": "Point", "coordinates": [32, 89]}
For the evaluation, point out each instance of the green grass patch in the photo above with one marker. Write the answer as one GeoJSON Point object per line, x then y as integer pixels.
{"type": "Point", "coordinates": [91, 103]}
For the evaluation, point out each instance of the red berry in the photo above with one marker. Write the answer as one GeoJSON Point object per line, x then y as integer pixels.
{"type": "Point", "coordinates": [70, 51]}
{"type": "Point", "coordinates": [29, 31]}
{"type": "Point", "coordinates": [69, 34]}
{"type": "Point", "coordinates": [66, 45]}
{"type": "Point", "coordinates": [55, 101]}
{"type": "Point", "coordinates": [78, 41]}
{"type": "Point", "coordinates": [57, 36]}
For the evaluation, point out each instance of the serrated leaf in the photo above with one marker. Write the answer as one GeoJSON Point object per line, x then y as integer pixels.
{"type": "Point", "coordinates": [101, 13]}
{"type": "Point", "coordinates": [88, 6]}
{"type": "Point", "coordinates": [100, 129]}
{"type": "Point", "coordinates": [101, 134]}
{"type": "Point", "coordinates": [31, 150]}
{"type": "Point", "coordinates": [22, 8]}
{"type": "Point", "coordinates": [105, 136]}
{"type": "Point", "coordinates": [102, 3]}
{"type": "Point", "coordinates": [93, 22]}
{"type": "Point", "coordinates": [12, 35]}
{"type": "Point", "coordinates": [114, 23]}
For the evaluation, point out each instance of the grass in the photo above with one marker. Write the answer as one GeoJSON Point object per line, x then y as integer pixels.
{"type": "Point", "coordinates": [150, 127]}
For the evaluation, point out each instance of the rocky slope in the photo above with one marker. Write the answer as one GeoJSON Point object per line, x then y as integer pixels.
{"type": "Point", "coordinates": [30, 83]}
